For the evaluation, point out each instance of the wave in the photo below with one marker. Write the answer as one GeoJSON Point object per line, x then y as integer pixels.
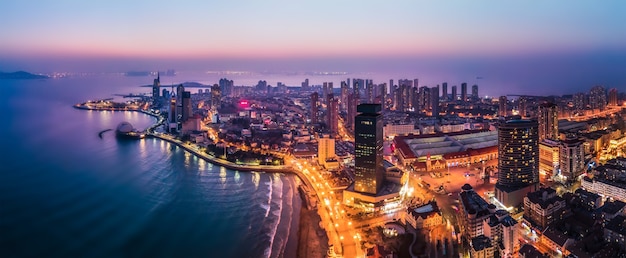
{"type": "Point", "coordinates": [269, 198]}
{"type": "Point", "coordinates": [278, 183]}
{"type": "Point", "coordinates": [290, 210]}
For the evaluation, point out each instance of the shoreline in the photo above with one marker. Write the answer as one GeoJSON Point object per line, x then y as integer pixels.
{"type": "Point", "coordinates": [312, 239]}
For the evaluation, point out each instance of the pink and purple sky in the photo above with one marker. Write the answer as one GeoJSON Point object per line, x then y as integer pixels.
{"type": "Point", "coordinates": [564, 43]}
{"type": "Point", "coordinates": [299, 29]}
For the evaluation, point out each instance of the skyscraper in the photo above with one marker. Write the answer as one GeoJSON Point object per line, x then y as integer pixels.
{"type": "Point", "coordinates": [368, 135]}
{"type": "Point", "coordinates": [353, 101]}
{"type": "Point", "coordinates": [572, 158]}
{"type": "Point", "coordinates": [475, 92]}
{"type": "Point", "coordinates": [502, 102]}
{"type": "Point", "coordinates": [332, 115]}
{"type": "Point", "coordinates": [156, 89]}
{"type": "Point", "coordinates": [464, 92]}
{"type": "Point", "coordinates": [305, 85]}
{"type": "Point", "coordinates": [345, 88]}
{"type": "Point", "coordinates": [187, 107]}
{"type": "Point", "coordinates": [434, 101]}
{"type": "Point", "coordinates": [226, 87]}
{"type": "Point", "coordinates": [327, 88]}
{"type": "Point", "coordinates": [424, 98]}
{"type": "Point", "coordinates": [180, 89]}
{"type": "Point", "coordinates": [216, 97]}
{"type": "Point", "coordinates": [314, 100]}
{"type": "Point", "coordinates": [521, 106]}
{"type": "Point", "coordinates": [454, 97]}
{"type": "Point", "coordinates": [579, 101]}
{"type": "Point", "coordinates": [613, 97]}
{"type": "Point", "coordinates": [369, 91]}
{"type": "Point", "coordinates": [518, 160]}
{"type": "Point", "coordinates": [597, 98]}
{"type": "Point", "coordinates": [444, 88]}
{"type": "Point", "coordinates": [548, 122]}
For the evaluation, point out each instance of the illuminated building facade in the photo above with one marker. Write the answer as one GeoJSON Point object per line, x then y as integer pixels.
{"type": "Point", "coordinates": [325, 149]}
{"type": "Point", "coordinates": [572, 159]}
{"type": "Point", "coordinates": [368, 149]}
{"type": "Point", "coordinates": [518, 161]}
{"type": "Point", "coordinates": [548, 157]}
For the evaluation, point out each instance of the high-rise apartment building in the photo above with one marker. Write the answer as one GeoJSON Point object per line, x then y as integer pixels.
{"type": "Point", "coordinates": [353, 102]}
{"type": "Point", "coordinates": [502, 106]}
{"type": "Point", "coordinates": [475, 92]}
{"type": "Point", "coordinates": [434, 101]}
{"type": "Point", "coordinates": [464, 92]}
{"type": "Point", "coordinates": [216, 97]}
{"type": "Point", "coordinates": [332, 115]}
{"type": "Point", "coordinates": [314, 103]}
{"type": "Point", "coordinates": [156, 89]}
{"type": "Point", "coordinates": [572, 159]}
{"type": "Point", "coordinates": [548, 121]}
{"type": "Point", "coordinates": [327, 89]}
{"type": "Point", "coordinates": [579, 101]}
{"type": "Point", "coordinates": [368, 136]}
{"type": "Point", "coordinates": [444, 93]}
{"type": "Point", "coordinates": [597, 98]}
{"type": "Point", "coordinates": [522, 106]}
{"type": "Point", "coordinates": [424, 98]}
{"type": "Point", "coordinates": [613, 97]}
{"type": "Point", "coordinates": [187, 107]}
{"type": "Point", "coordinates": [345, 88]}
{"type": "Point", "coordinates": [226, 87]}
{"type": "Point", "coordinates": [518, 160]}
{"type": "Point", "coordinates": [325, 149]}
{"type": "Point", "coordinates": [454, 96]}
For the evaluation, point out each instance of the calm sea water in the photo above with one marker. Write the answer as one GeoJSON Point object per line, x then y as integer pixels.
{"type": "Point", "coordinates": [65, 192]}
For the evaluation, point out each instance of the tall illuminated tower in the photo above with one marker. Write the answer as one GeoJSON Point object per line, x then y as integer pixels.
{"type": "Point", "coordinates": [518, 160]}
{"type": "Point", "coordinates": [368, 152]}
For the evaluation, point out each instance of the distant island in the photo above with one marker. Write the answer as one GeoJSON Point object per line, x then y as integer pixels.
{"type": "Point", "coordinates": [21, 75]}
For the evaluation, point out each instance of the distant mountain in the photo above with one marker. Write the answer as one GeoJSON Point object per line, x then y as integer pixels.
{"type": "Point", "coordinates": [21, 75]}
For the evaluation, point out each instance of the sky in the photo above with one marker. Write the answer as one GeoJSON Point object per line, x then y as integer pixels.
{"type": "Point", "coordinates": [281, 35]}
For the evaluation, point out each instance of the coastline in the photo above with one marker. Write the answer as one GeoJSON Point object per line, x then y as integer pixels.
{"type": "Point", "coordinates": [311, 240]}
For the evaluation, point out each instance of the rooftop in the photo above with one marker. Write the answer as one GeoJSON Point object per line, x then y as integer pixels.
{"type": "Point", "coordinates": [544, 197]}
{"type": "Point", "coordinates": [425, 211]}
{"type": "Point", "coordinates": [413, 146]}
{"type": "Point", "coordinates": [473, 203]}
{"type": "Point", "coordinates": [480, 242]}
{"type": "Point", "coordinates": [613, 207]}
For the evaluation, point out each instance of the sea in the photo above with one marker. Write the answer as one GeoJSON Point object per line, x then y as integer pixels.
{"type": "Point", "coordinates": [66, 192]}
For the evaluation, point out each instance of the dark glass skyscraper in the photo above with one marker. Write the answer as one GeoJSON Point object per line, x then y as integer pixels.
{"type": "Point", "coordinates": [368, 149]}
